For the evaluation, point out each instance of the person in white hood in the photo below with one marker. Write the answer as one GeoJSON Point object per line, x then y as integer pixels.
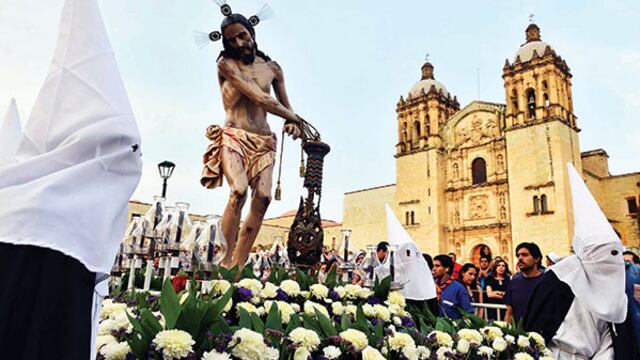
{"type": "Point", "coordinates": [64, 200]}
{"type": "Point", "coordinates": [580, 306]}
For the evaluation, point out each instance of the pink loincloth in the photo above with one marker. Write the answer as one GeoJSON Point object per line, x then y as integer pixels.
{"type": "Point", "coordinates": [256, 151]}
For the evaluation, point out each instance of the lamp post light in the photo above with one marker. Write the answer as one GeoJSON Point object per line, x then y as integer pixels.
{"type": "Point", "coordinates": [166, 170]}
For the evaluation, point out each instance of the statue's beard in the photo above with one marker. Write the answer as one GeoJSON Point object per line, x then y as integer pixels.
{"type": "Point", "coordinates": [240, 54]}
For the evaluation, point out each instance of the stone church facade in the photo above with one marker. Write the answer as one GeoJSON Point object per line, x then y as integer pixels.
{"type": "Point", "coordinates": [493, 174]}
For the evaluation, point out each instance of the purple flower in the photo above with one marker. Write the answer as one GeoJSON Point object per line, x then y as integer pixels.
{"type": "Point", "coordinates": [374, 321]}
{"type": "Point", "coordinates": [372, 300]}
{"type": "Point", "coordinates": [132, 302]}
{"type": "Point", "coordinates": [334, 295]}
{"type": "Point", "coordinates": [337, 319]}
{"type": "Point", "coordinates": [152, 298]}
{"type": "Point", "coordinates": [407, 321]}
{"type": "Point", "coordinates": [244, 294]}
{"type": "Point", "coordinates": [282, 296]}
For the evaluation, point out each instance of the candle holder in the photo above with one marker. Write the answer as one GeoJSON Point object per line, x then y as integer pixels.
{"type": "Point", "coordinates": [392, 270]}
{"type": "Point", "coordinates": [152, 219]}
{"type": "Point", "coordinates": [368, 266]}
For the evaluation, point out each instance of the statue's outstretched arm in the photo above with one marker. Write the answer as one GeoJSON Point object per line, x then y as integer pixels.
{"type": "Point", "coordinates": [250, 89]}
{"type": "Point", "coordinates": [278, 85]}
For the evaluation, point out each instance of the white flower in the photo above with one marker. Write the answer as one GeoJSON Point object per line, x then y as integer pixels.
{"type": "Point", "coordinates": [252, 284]}
{"type": "Point", "coordinates": [249, 307]}
{"type": "Point", "coordinates": [423, 352]}
{"type": "Point", "coordinates": [301, 354]}
{"type": "Point", "coordinates": [337, 308]}
{"type": "Point", "coordinates": [399, 341]}
{"type": "Point", "coordinates": [121, 321]}
{"type": "Point", "coordinates": [523, 341]}
{"type": "Point", "coordinates": [472, 336]}
{"type": "Point", "coordinates": [384, 351]}
{"type": "Point", "coordinates": [158, 315]}
{"type": "Point", "coordinates": [341, 291]}
{"type": "Point", "coordinates": [269, 291]}
{"type": "Point", "coordinates": [463, 346]}
{"type": "Point", "coordinates": [396, 309]}
{"type": "Point", "coordinates": [545, 358]}
{"type": "Point", "coordinates": [357, 338]}
{"type": "Point", "coordinates": [396, 298]}
{"type": "Point", "coordinates": [382, 312]}
{"type": "Point", "coordinates": [370, 353]}
{"type": "Point", "coordinates": [110, 308]}
{"type": "Point", "coordinates": [296, 307]}
{"type": "Point", "coordinates": [442, 338]}
{"type": "Point", "coordinates": [368, 311]}
{"type": "Point", "coordinates": [106, 327]}
{"type": "Point", "coordinates": [184, 297]}
{"type": "Point", "coordinates": [255, 300]}
{"type": "Point", "coordinates": [311, 307]}
{"type": "Point", "coordinates": [331, 352]}
{"type": "Point", "coordinates": [214, 355]}
{"type": "Point", "coordinates": [502, 324]}
{"type": "Point", "coordinates": [319, 291]}
{"type": "Point", "coordinates": [491, 332]}
{"type": "Point", "coordinates": [290, 287]}
{"type": "Point", "coordinates": [271, 354]}
{"type": "Point", "coordinates": [352, 291]}
{"type": "Point", "coordinates": [411, 352]}
{"type": "Point", "coordinates": [104, 340]}
{"type": "Point", "coordinates": [115, 351]}
{"type": "Point", "coordinates": [392, 328]}
{"type": "Point", "coordinates": [248, 345]}
{"type": "Point", "coordinates": [537, 339]}
{"type": "Point", "coordinates": [175, 344]}
{"type": "Point", "coordinates": [351, 310]}
{"type": "Point", "coordinates": [305, 294]}
{"type": "Point", "coordinates": [364, 293]}
{"type": "Point", "coordinates": [219, 287]}
{"type": "Point", "coordinates": [441, 353]}
{"type": "Point", "coordinates": [397, 321]}
{"type": "Point", "coordinates": [486, 351]}
{"type": "Point", "coordinates": [307, 339]}
{"type": "Point", "coordinates": [510, 339]}
{"type": "Point", "coordinates": [522, 356]}
{"type": "Point", "coordinates": [499, 344]}
{"type": "Point", "coordinates": [286, 310]}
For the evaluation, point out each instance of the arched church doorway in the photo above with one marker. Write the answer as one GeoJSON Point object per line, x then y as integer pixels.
{"type": "Point", "coordinates": [478, 251]}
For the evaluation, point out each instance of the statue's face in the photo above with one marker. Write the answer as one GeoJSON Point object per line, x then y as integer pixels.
{"type": "Point", "coordinates": [240, 39]}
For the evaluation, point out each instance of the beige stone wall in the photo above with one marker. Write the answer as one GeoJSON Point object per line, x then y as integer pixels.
{"type": "Point", "coordinates": [596, 162]}
{"type": "Point", "coordinates": [615, 190]}
{"type": "Point", "coordinates": [537, 157]}
{"type": "Point", "coordinates": [364, 215]}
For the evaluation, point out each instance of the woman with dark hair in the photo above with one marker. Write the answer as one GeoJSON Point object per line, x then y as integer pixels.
{"type": "Point", "coordinates": [496, 285]}
{"type": "Point", "coordinates": [485, 251]}
{"type": "Point", "coordinates": [468, 274]}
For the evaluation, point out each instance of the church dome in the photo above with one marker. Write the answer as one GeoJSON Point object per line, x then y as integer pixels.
{"type": "Point", "coordinates": [534, 43]}
{"type": "Point", "coordinates": [427, 82]}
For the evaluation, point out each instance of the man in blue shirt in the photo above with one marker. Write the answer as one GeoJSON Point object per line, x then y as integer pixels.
{"type": "Point", "coordinates": [451, 294]}
{"type": "Point", "coordinates": [521, 287]}
{"type": "Point", "coordinates": [632, 289]}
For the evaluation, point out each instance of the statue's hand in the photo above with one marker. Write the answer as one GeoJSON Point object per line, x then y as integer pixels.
{"type": "Point", "coordinates": [293, 129]}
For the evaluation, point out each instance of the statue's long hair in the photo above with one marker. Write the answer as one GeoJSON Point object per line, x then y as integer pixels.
{"type": "Point", "coordinates": [229, 51]}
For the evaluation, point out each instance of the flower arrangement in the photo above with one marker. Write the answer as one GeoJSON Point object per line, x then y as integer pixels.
{"type": "Point", "coordinates": [292, 317]}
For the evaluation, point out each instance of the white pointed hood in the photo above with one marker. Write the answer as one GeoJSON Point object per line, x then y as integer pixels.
{"type": "Point", "coordinates": [79, 159]}
{"type": "Point", "coordinates": [596, 272]}
{"type": "Point", "coordinates": [411, 269]}
{"type": "Point", "coordinates": [10, 133]}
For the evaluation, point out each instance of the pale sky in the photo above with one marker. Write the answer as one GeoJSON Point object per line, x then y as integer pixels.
{"type": "Point", "coordinates": [346, 63]}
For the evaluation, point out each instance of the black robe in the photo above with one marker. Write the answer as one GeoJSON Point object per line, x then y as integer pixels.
{"type": "Point", "coordinates": [549, 304]}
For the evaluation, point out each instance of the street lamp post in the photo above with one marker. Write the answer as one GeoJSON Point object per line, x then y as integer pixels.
{"type": "Point", "coordinates": [166, 170]}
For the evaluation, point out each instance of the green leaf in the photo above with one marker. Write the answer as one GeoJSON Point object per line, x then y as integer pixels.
{"type": "Point", "coordinates": [326, 324]}
{"type": "Point", "coordinates": [424, 328]}
{"type": "Point", "coordinates": [220, 326]}
{"type": "Point", "coordinates": [332, 278]}
{"type": "Point", "coordinates": [212, 312]}
{"type": "Point", "coordinates": [247, 273]}
{"type": "Point", "coordinates": [150, 322]}
{"type": "Point", "coordinates": [382, 290]}
{"type": "Point", "coordinates": [444, 325]}
{"type": "Point", "coordinates": [345, 322]}
{"type": "Point", "coordinates": [169, 305]}
{"type": "Point", "coordinates": [274, 319]}
{"type": "Point", "coordinates": [245, 318]}
{"type": "Point", "coordinates": [190, 317]}
{"type": "Point", "coordinates": [361, 319]}
{"type": "Point", "coordinates": [257, 323]}
{"type": "Point", "coordinates": [379, 332]}
{"type": "Point", "coordinates": [475, 321]}
{"type": "Point", "coordinates": [311, 323]}
{"type": "Point", "coordinates": [294, 322]}
{"type": "Point", "coordinates": [429, 316]}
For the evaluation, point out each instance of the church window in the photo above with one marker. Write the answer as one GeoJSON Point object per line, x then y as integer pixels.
{"type": "Point", "coordinates": [479, 171]}
{"type": "Point", "coordinates": [455, 171]}
{"type": "Point", "coordinates": [413, 218]}
{"type": "Point", "coordinates": [546, 100]}
{"type": "Point", "coordinates": [544, 85]}
{"type": "Point", "coordinates": [543, 204]}
{"type": "Point", "coordinates": [429, 192]}
{"type": "Point", "coordinates": [632, 205]}
{"type": "Point", "coordinates": [416, 130]}
{"type": "Point", "coordinates": [406, 218]}
{"type": "Point", "coordinates": [514, 100]}
{"type": "Point", "coordinates": [536, 205]}
{"type": "Point", "coordinates": [503, 213]}
{"type": "Point", "coordinates": [531, 103]}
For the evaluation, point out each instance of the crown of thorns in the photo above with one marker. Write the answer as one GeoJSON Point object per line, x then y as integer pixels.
{"type": "Point", "coordinates": [264, 13]}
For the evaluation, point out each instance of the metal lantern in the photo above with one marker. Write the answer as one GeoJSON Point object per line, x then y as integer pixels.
{"type": "Point", "coordinates": [165, 169]}
{"type": "Point", "coordinates": [367, 267]}
{"type": "Point", "coordinates": [212, 246]}
{"type": "Point", "coordinates": [188, 260]}
{"type": "Point", "coordinates": [179, 226]}
{"type": "Point", "coordinates": [134, 237]}
{"type": "Point", "coordinates": [163, 227]}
